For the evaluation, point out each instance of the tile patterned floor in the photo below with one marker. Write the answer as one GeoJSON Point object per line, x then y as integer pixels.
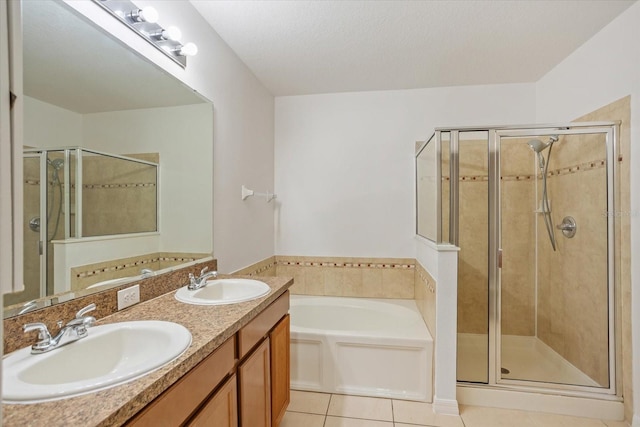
{"type": "Point", "coordinates": [309, 409]}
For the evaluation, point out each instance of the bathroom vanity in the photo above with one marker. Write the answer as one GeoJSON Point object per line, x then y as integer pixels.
{"type": "Point", "coordinates": [234, 373]}
{"type": "Point", "coordinates": [246, 378]}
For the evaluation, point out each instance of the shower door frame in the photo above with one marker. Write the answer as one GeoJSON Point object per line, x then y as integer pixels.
{"type": "Point", "coordinates": [610, 130]}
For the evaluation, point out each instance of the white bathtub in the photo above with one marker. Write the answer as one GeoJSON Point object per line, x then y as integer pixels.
{"type": "Point", "coordinates": [362, 346]}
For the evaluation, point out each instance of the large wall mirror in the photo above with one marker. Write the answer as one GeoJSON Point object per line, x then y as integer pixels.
{"type": "Point", "coordinates": [118, 161]}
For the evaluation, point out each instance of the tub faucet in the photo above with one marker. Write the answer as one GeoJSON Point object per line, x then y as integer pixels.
{"type": "Point", "coordinates": [72, 331]}
{"type": "Point", "coordinates": [196, 283]}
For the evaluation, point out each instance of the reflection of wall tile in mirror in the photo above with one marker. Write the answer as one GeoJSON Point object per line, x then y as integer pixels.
{"type": "Point", "coordinates": [119, 196]}
{"type": "Point", "coordinates": [86, 275]}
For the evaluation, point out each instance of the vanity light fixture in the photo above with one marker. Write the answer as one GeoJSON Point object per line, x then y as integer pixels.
{"type": "Point", "coordinates": [171, 33]}
{"type": "Point", "coordinates": [143, 21]}
{"type": "Point", "coordinates": [189, 49]}
{"type": "Point", "coordinates": [148, 14]}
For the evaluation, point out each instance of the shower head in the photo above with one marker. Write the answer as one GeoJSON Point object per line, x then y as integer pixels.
{"type": "Point", "coordinates": [57, 164]}
{"type": "Point", "coordinates": [537, 145]}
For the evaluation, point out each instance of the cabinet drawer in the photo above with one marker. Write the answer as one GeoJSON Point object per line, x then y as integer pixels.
{"type": "Point", "coordinates": [259, 327]}
{"type": "Point", "coordinates": [176, 404]}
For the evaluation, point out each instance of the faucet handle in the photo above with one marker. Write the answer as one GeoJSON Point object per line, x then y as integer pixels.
{"type": "Point", "coordinates": [204, 270]}
{"type": "Point", "coordinates": [80, 314]}
{"type": "Point", "coordinates": [44, 336]}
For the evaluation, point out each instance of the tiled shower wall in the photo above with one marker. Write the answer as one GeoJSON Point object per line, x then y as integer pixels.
{"type": "Point", "coordinates": [119, 197]}
{"type": "Point", "coordinates": [572, 296]}
{"type": "Point", "coordinates": [518, 285]}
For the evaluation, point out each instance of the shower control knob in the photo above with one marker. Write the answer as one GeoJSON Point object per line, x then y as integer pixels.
{"type": "Point", "coordinates": [34, 224]}
{"type": "Point", "coordinates": [568, 226]}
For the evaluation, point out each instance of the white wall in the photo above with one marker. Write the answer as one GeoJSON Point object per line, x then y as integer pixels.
{"type": "Point", "coordinates": [604, 69]}
{"type": "Point", "coordinates": [243, 138]}
{"type": "Point", "coordinates": [243, 127]}
{"type": "Point", "coordinates": [344, 166]}
{"type": "Point", "coordinates": [49, 126]}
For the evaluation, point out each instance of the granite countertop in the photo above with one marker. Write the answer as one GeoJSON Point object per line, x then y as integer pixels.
{"type": "Point", "coordinates": [210, 326]}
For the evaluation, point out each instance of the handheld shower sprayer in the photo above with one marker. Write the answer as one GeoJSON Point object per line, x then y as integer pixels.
{"type": "Point", "coordinates": [539, 146]}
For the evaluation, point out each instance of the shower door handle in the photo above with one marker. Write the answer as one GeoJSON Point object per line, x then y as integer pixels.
{"type": "Point", "coordinates": [499, 258]}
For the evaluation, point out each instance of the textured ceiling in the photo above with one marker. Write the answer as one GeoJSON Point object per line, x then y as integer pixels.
{"type": "Point", "coordinates": [71, 64]}
{"type": "Point", "coordinates": [303, 47]}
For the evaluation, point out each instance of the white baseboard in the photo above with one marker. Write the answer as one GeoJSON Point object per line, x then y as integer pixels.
{"type": "Point", "coordinates": [636, 421]}
{"type": "Point", "coordinates": [445, 406]}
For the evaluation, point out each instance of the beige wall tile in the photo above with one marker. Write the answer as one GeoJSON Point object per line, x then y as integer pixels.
{"type": "Point", "coordinates": [398, 283]}
{"type": "Point", "coordinates": [347, 276]}
{"type": "Point", "coordinates": [314, 280]}
{"type": "Point", "coordinates": [425, 295]}
{"type": "Point", "coordinates": [372, 282]}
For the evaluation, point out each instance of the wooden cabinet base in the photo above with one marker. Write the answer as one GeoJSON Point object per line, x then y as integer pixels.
{"type": "Point", "coordinates": [221, 410]}
{"type": "Point", "coordinates": [244, 382]}
{"type": "Point", "coordinates": [255, 388]}
{"type": "Point", "coordinates": [280, 370]}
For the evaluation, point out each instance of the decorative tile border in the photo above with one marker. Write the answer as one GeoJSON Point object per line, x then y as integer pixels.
{"type": "Point", "coordinates": [121, 266]}
{"type": "Point", "coordinates": [595, 164]}
{"type": "Point", "coordinates": [344, 264]}
{"type": "Point", "coordinates": [96, 186]}
{"type": "Point", "coordinates": [103, 186]}
{"type": "Point", "coordinates": [426, 279]}
{"type": "Point", "coordinates": [258, 270]}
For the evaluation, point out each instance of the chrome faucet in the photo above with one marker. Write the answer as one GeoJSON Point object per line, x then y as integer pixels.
{"type": "Point", "coordinates": [146, 272]}
{"type": "Point", "coordinates": [72, 331]}
{"type": "Point", "coordinates": [196, 283]}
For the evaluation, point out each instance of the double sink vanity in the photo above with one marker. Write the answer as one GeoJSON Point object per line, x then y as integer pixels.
{"type": "Point", "coordinates": [214, 355]}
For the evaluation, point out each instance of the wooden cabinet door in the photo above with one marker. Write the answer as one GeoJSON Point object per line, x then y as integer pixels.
{"type": "Point", "coordinates": [280, 369]}
{"type": "Point", "coordinates": [255, 388]}
{"type": "Point", "coordinates": [221, 410]}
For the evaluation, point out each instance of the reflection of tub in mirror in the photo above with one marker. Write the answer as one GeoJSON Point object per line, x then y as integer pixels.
{"type": "Point", "coordinates": [127, 105]}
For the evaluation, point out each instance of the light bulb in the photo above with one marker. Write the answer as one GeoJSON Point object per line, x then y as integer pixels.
{"type": "Point", "coordinates": [148, 14]}
{"type": "Point", "coordinates": [172, 33]}
{"type": "Point", "coordinates": [189, 49]}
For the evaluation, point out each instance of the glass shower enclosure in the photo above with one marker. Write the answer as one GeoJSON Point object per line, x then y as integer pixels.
{"type": "Point", "coordinates": [75, 193]}
{"type": "Point", "coordinates": [532, 209]}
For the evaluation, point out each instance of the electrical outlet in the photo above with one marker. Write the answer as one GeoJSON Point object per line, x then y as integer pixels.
{"type": "Point", "coordinates": [128, 297]}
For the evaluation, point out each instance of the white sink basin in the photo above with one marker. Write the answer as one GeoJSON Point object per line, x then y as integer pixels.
{"type": "Point", "coordinates": [224, 291]}
{"type": "Point", "coordinates": [110, 355]}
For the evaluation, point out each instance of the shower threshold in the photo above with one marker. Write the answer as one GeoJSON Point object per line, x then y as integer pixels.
{"type": "Point", "coordinates": [526, 357]}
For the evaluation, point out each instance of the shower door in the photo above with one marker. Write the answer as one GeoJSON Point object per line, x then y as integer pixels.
{"type": "Point", "coordinates": [552, 253]}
